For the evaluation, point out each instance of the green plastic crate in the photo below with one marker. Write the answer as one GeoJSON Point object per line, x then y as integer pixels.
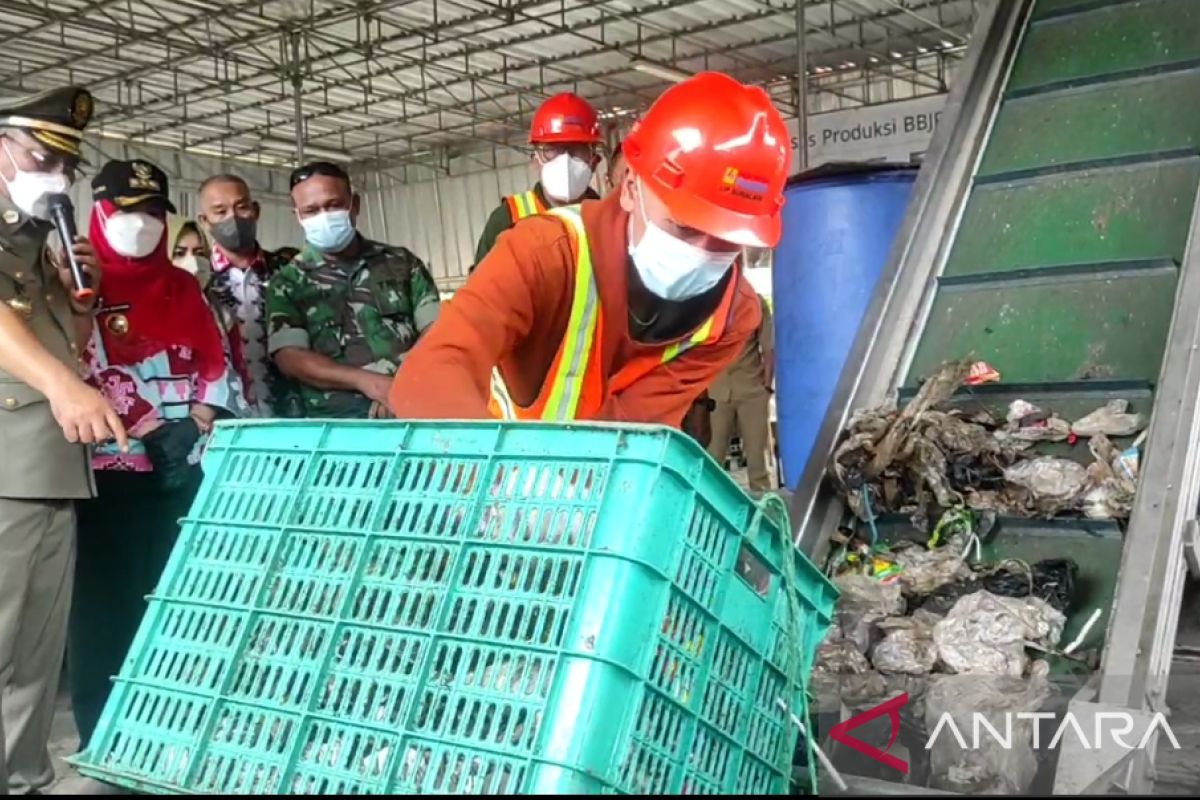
{"type": "Point", "coordinates": [474, 608]}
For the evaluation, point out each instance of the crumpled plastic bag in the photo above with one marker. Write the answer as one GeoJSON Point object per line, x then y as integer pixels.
{"type": "Point", "coordinates": [924, 570]}
{"type": "Point", "coordinates": [1112, 488]}
{"type": "Point", "coordinates": [958, 436]}
{"type": "Point", "coordinates": [842, 674]}
{"type": "Point", "coordinates": [884, 445]}
{"type": "Point", "coordinates": [863, 602]}
{"type": "Point", "coordinates": [933, 392]}
{"type": "Point", "coordinates": [840, 657]}
{"type": "Point", "coordinates": [1011, 500]}
{"type": "Point", "coordinates": [831, 691]}
{"type": "Point", "coordinates": [941, 600]}
{"type": "Point", "coordinates": [1128, 464]}
{"type": "Point", "coordinates": [1107, 501]}
{"type": "Point", "coordinates": [925, 458]}
{"type": "Point", "coordinates": [915, 687]}
{"type": "Point", "coordinates": [986, 634]}
{"type": "Point", "coordinates": [952, 703]}
{"type": "Point", "coordinates": [1051, 579]}
{"type": "Point", "coordinates": [1112, 419]}
{"type": "Point", "coordinates": [1027, 422]}
{"type": "Point", "coordinates": [907, 647]}
{"type": "Point", "coordinates": [1054, 483]}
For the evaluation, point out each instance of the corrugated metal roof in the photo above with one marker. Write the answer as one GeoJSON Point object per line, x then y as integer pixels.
{"type": "Point", "coordinates": [396, 81]}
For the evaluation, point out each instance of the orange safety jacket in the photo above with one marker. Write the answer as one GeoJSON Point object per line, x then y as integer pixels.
{"type": "Point", "coordinates": [575, 388]}
{"type": "Point", "coordinates": [525, 204]}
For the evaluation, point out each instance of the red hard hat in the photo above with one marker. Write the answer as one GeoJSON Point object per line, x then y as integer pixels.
{"type": "Point", "coordinates": [565, 117]}
{"type": "Point", "coordinates": [716, 152]}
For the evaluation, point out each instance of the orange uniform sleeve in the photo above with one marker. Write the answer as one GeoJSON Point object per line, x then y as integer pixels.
{"type": "Point", "coordinates": [447, 375]}
{"type": "Point", "coordinates": [665, 394]}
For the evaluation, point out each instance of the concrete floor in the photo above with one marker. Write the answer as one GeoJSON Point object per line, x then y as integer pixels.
{"type": "Point", "coordinates": [64, 741]}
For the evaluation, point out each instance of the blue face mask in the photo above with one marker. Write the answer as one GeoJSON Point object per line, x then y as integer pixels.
{"type": "Point", "coordinates": [329, 231]}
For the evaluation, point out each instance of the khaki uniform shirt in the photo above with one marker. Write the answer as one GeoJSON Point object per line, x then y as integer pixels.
{"type": "Point", "coordinates": [38, 463]}
{"type": "Point", "coordinates": [743, 379]}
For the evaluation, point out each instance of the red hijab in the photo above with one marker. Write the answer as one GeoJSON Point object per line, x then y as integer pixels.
{"type": "Point", "coordinates": [165, 304]}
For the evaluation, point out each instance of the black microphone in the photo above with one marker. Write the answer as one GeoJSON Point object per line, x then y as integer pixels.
{"type": "Point", "coordinates": [62, 214]}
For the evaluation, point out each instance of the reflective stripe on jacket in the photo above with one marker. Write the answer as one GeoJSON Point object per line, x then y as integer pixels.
{"type": "Point", "coordinates": [574, 388]}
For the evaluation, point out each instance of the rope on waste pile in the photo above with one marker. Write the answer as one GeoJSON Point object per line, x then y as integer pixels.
{"type": "Point", "coordinates": [795, 681]}
{"type": "Point", "coordinates": [1014, 566]}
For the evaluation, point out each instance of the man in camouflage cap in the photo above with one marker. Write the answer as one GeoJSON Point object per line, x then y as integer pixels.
{"type": "Point", "coordinates": [344, 313]}
{"type": "Point", "coordinates": [48, 416]}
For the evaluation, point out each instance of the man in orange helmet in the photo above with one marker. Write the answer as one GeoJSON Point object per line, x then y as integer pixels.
{"type": "Point", "coordinates": [565, 134]}
{"type": "Point", "coordinates": [625, 308]}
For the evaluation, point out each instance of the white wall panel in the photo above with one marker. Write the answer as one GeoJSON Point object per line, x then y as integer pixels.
{"type": "Point", "coordinates": [439, 220]}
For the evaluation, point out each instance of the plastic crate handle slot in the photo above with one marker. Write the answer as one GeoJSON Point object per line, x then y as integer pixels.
{"type": "Point", "coordinates": [783, 523]}
{"type": "Point", "coordinates": [751, 569]}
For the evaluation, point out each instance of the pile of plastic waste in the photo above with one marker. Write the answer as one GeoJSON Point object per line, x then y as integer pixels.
{"type": "Point", "coordinates": [928, 457]}
{"type": "Point", "coordinates": [930, 617]}
{"type": "Point", "coordinates": [960, 635]}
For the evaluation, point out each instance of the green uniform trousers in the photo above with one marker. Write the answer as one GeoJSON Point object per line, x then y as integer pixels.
{"type": "Point", "coordinates": [126, 535]}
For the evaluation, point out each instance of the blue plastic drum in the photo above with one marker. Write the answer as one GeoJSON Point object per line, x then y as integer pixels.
{"type": "Point", "coordinates": [838, 226]}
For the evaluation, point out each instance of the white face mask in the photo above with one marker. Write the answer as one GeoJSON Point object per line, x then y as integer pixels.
{"type": "Point", "coordinates": [30, 191]}
{"type": "Point", "coordinates": [672, 268]}
{"type": "Point", "coordinates": [565, 179]}
{"type": "Point", "coordinates": [197, 265]}
{"type": "Point", "coordinates": [133, 234]}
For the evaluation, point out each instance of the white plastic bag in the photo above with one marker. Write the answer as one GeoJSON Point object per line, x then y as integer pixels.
{"type": "Point", "coordinates": [952, 705]}
{"type": "Point", "coordinates": [1112, 419]}
{"type": "Point", "coordinates": [986, 634]}
{"type": "Point", "coordinates": [1027, 422]}
{"type": "Point", "coordinates": [1048, 478]}
{"type": "Point", "coordinates": [865, 601]}
{"type": "Point", "coordinates": [907, 647]}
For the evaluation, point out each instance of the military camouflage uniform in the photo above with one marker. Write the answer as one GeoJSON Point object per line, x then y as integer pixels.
{"type": "Point", "coordinates": [367, 314]}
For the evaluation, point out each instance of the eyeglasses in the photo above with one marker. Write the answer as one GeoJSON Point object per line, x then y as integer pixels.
{"type": "Point", "coordinates": [576, 150]}
{"type": "Point", "coordinates": [326, 168]}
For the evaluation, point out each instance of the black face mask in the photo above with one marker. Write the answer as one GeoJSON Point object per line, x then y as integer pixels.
{"type": "Point", "coordinates": [235, 234]}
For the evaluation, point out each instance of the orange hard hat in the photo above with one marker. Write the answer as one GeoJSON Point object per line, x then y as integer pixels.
{"type": "Point", "coordinates": [565, 117]}
{"type": "Point", "coordinates": [716, 152]}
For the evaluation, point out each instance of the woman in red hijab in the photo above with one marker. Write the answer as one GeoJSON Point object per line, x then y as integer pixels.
{"type": "Point", "coordinates": [157, 356]}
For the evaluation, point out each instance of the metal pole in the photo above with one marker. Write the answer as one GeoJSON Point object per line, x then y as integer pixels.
{"type": "Point", "coordinates": [383, 206]}
{"type": "Point", "coordinates": [801, 89]}
{"type": "Point", "coordinates": [297, 92]}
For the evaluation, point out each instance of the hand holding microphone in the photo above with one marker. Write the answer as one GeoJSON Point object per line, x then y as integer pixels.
{"type": "Point", "coordinates": [80, 259]}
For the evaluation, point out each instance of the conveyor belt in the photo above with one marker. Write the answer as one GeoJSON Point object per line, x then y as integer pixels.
{"type": "Point", "coordinates": [1053, 234]}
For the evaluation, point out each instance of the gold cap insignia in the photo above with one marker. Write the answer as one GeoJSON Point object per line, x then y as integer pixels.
{"type": "Point", "coordinates": [81, 110]}
{"type": "Point", "coordinates": [143, 177]}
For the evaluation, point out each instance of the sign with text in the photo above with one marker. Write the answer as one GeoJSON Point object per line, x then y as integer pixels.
{"type": "Point", "coordinates": [981, 733]}
{"type": "Point", "coordinates": [890, 132]}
